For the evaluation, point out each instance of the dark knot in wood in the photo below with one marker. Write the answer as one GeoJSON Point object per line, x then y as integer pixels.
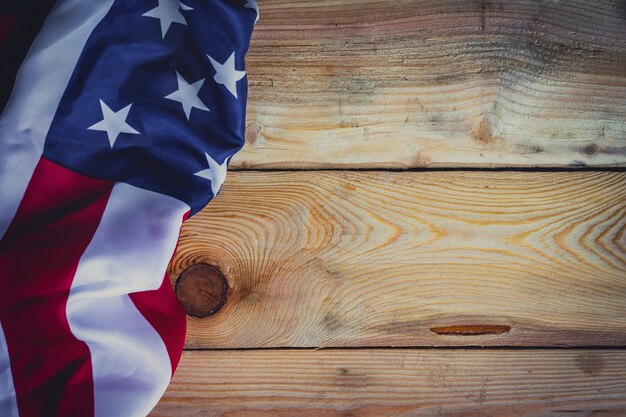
{"type": "Point", "coordinates": [202, 289]}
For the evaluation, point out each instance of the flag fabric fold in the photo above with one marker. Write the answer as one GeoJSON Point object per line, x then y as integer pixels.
{"type": "Point", "coordinates": [121, 123]}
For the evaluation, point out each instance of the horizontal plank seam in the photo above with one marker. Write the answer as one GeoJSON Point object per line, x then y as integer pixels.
{"type": "Point", "coordinates": [461, 347]}
{"type": "Point", "coordinates": [476, 169]}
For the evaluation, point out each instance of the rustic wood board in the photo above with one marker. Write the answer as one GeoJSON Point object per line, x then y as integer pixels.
{"type": "Point", "coordinates": [436, 83]}
{"type": "Point", "coordinates": [409, 259]}
{"type": "Point", "coordinates": [397, 382]}
{"type": "Point", "coordinates": [344, 258]}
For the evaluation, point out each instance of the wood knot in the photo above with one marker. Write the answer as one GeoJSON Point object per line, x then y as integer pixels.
{"type": "Point", "coordinates": [590, 363]}
{"type": "Point", "coordinates": [591, 150]}
{"type": "Point", "coordinates": [253, 132]}
{"type": "Point", "coordinates": [488, 130]}
{"type": "Point", "coordinates": [483, 133]}
{"type": "Point", "coordinates": [420, 161]}
{"type": "Point", "coordinates": [202, 289]}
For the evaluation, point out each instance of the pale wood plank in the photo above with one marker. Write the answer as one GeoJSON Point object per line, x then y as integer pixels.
{"type": "Point", "coordinates": [429, 83]}
{"type": "Point", "coordinates": [397, 382]}
{"type": "Point", "coordinates": [395, 258]}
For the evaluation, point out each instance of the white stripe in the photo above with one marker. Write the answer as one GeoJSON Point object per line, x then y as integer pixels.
{"type": "Point", "coordinates": [129, 252]}
{"type": "Point", "coordinates": [8, 401]}
{"type": "Point", "coordinates": [39, 87]}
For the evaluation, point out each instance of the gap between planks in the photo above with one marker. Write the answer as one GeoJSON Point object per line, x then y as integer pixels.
{"type": "Point", "coordinates": [436, 169]}
{"type": "Point", "coordinates": [408, 347]}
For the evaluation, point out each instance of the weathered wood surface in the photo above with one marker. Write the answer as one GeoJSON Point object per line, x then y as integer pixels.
{"type": "Point", "coordinates": [437, 83]}
{"type": "Point", "coordinates": [397, 382]}
{"type": "Point", "coordinates": [343, 258]}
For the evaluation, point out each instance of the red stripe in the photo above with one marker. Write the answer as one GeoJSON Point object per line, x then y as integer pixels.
{"type": "Point", "coordinates": [164, 312]}
{"type": "Point", "coordinates": [39, 255]}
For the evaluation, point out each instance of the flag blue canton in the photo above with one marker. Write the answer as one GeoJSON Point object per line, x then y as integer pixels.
{"type": "Point", "coordinates": [157, 98]}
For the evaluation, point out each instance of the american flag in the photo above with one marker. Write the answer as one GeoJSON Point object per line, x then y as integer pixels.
{"type": "Point", "coordinates": [122, 121]}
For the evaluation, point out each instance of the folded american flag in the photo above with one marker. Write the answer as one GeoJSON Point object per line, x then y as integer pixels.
{"type": "Point", "coordinates": [121, 124]}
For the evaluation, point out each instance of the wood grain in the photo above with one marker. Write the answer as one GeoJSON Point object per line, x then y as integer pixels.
{"type": "Point", "coordinates": [397, 382]}
{"type": "Point", "coordinates": [344, 258]}
{"type": "Point", "coordinates": [436, 83]}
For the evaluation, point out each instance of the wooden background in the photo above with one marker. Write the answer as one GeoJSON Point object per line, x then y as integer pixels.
{"type": "Point", "coordinates": [428, 217]}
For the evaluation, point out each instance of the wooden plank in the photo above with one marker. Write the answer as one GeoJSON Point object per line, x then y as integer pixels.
{"type": "Point", "coordinates": [413, 259]}
{"type": "Point", "coordinates": [397, 382]}
{"type": "Point", "coordinates": [433, 83]}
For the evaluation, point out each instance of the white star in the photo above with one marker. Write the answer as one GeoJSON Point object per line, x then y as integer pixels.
{"type": "Point", "coordinates": [113, 122]}
{"type": "Point", "coordinates": [215, 173]}
{"type": "Point", "coordinates": [226, 74]}
{"type": "Point", "coordinates": [168, 12]}
{"type": "Point", "coordinates": [187, 95]}
{"type": "Point", "coordinates": [251, 4]}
